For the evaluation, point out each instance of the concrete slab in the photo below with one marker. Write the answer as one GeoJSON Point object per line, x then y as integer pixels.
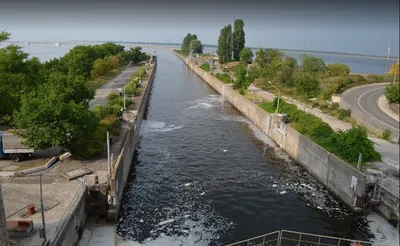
{"type": "Point", "coordinates": [76, 173]}
{"type": "Point", "coordinates": [16, 200]}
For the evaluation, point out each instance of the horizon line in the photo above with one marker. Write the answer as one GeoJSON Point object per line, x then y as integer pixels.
{"type": "Point", "coordinates": [205, 45]}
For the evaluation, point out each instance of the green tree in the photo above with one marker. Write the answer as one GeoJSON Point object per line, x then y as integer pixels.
{"type": "Point", "coordinates": [286, 71]}
{"type": "Point", "coordinates": [185, 47]}
{"type": "Point", "coordinates": [100, 67]}
{"type": "Point", "coordinates": [196, 46]}
{"type": "Point", "coordinates": [223, 45]}
{"type": "Point", "coordinates": [269, 61]}
{"type": "Point", "coordinates": [229, 43]}
{"type": "Point", "coordinates": [244, 77]}
{"type": "Point", "coordinates": [246, 55]}
{"type": "Point", "coordinates": [18, 74]}
{"type": "Point", "coordinates": [312, 64]}
{"type": "Point", "coordinates": [291, 62]}
{"type": "Point", "coordinates": [337, 69]}
{"type": "Point", "coordinates": [238, 38]}
{"type": "Point", "coordinates": [307, 85]}
{"type": "Point", "coordinates": [264, 57]}
{"type": "Point", "coordinates": [4, 35]}
{"type": "Point", "coordinates": [136, 55]}
{"type": "Point", "coordinates": [392, 92]}
{"type": "Point", "coordinates": [52, 116]}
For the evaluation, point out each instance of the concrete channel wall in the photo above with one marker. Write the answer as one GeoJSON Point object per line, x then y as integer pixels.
{"type": "Point", "coordinates": [122, 166]}
{"type": "Point", "coordinates": [73, 229]}
{"type": "Point", "coordinates": [341, 179]}
{"type": "Point", "coordinates": [3, 226]}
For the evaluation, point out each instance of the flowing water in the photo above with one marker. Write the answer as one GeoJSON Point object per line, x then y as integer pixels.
{"type": "Point", "coordinates": [204, 175]}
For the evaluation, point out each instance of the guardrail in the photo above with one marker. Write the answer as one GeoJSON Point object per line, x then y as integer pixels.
{"type": "Point", "coordinates": [87, 181]}
{"type": "Point", "coordinates": [60, 227]}
{"type": "Point", "coordinates": [294, 238]}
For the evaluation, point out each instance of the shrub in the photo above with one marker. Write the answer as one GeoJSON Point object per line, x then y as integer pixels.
{"type": "Point", "coordinates": [307, 85]}
{"type": "Point", "coordinates": [347, 145]}
{"type": "Point", "coordinates": [224, 78]}
{"type": "Point", "coordinates": [392, 92]}
{"type": "Point", "coordinates": [354, 141]}
{"type": "Point", "coordinates": [206, 67]}
{"type": "Point", "coordinates": [328, 91]}
{"type": "Point", "coordinates": [344, 114]}
{"type": "Point", "coordinates": [386, 134]}
{"type": "Point", "coordinates": [338, 69]}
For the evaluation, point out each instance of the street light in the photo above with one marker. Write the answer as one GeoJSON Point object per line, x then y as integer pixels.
{"type": "Point", "coordinates": [230, 71]}
{"type": "Point", "coordinates": [397, 65]}
{"type": "Point", "coordinates": [54, 163]}
{"type": "Point", "coordinates": [387, 58]}
{"type": "Point", "coordinates": [279, 95]}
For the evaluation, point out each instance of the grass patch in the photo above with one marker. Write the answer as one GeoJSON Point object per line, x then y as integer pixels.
{"type": "Point", "coordinates": [223, 77]}
{"type": "Point", "coordinates": [206, 67]}
{"type": "Point", "coordinates": [346, 145]}
{"type": "Point", "coordinates": [97, 83]}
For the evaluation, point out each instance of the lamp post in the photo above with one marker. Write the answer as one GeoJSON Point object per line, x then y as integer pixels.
{"type": "Point", "coordinates": [55, 163]}
{"type": "Point", "coordinates": [387, 58]}
{"type": "Point", "coordinates": [230, 71]}
{"type": "Point", "coordinates": [124, 98]}
{"type": "Point", "coordinates": [279, 95]}
{"type": "Point", "coordinates": [397, 66]}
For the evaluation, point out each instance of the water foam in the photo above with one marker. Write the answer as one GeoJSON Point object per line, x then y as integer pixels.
{"type": "Point", "coordinates": [157, 126]}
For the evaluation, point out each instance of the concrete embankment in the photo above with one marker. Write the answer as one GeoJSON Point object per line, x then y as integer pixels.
{"type": "Point", "coordinates": [343, 180]}
{"type": "Point", "coordinates": [122, 166]}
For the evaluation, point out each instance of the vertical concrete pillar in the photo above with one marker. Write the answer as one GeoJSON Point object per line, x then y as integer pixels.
{"type": "Point", "coordinates": [3, 226]}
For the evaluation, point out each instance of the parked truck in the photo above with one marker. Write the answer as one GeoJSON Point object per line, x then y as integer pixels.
{"type": "Point", "coordinates": [11, 147]}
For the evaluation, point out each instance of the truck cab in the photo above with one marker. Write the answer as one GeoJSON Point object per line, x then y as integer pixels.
{"type": "Point", "coordinates": [11, 147]}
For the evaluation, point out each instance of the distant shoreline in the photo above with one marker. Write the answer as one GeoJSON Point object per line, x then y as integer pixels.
{"type": "Point", "coordinates": [176, 45]}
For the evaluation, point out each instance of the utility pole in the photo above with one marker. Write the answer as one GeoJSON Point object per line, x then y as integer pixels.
{"type": "Point", "coordinates": [359, 161]}
{"type": "Point", "coordinates": [279, 95]}
{"type": "Point", "coordinates": [108, 154]}
{"type": "Point", "coordinates": [387, 58]}
{"type": "Point", "coordinates": [124, 98]}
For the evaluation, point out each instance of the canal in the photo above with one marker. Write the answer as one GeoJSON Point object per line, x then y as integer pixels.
{"type": "Point", "coordinates": [204, 175]}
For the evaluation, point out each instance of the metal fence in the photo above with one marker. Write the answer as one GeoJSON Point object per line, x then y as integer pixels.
{"type": "Point", "coordinates": [60, 227]}
{"type": "Point", "coordinates": [269, 239]}
{"type": "Point", "coordinates": [294, 238]}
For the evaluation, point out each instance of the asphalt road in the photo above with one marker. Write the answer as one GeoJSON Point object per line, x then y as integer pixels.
{"type": "Point", "coordinates": [365, 99]}
{"type": "Point", "coordinates": [112, 86]}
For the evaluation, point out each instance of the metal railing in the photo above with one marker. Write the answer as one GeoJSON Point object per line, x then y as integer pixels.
{"type": "Point", "coordinates": [87, 181]}
{"type": "Point", "coordinates": [294, 238]}
{"type": "Point", "coordinates": [269, 239]}
{"type": "Point", "coordinates": [390, 185]}
{"type": "Point", "coordinates": [61, 225]}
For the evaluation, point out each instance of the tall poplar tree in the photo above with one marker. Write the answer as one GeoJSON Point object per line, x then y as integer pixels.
{"type": "Point", "coordinates": [238, 38]}
{"type": "Point", "coordinates": [229, 43]}
{"type": "Point", "coordinates": [222, 45]}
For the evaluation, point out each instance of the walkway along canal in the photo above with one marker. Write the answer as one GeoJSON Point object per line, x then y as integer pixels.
{"type": "Point", "coordinates": [204, 175]}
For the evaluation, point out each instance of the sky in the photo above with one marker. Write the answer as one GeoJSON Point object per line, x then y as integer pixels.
{"type": "Point", "coordinates": [352, 26]}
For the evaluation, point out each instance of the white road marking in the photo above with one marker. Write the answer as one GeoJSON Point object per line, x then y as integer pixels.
{"type": "Point", "coordinates": [359, 104]}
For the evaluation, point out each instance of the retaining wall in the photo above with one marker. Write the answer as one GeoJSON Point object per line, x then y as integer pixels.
{"type": "Point", "coordinates": [122, 166]}
{"type": "Point", "coordinates": [335, 174]}
{"type": "Point", "coordinates": [3, 226]}
{"type": "Point", "coordinates": [73, 229]}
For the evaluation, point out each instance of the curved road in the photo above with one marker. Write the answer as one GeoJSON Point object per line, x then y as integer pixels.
{"type": "Point", "coordinates": [365, 99]}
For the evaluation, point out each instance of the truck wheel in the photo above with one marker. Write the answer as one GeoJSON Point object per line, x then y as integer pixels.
{"type": "Point", "coordinates": [16, 157]}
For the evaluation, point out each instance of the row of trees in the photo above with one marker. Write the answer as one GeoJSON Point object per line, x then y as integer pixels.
{"type": "Point", "coordinates": [50, 101]}
{"type": "Point", "coordinates": [191, 44]}
{"type": "Point", "coordinates": [272, 65]}
{"type": "Point", "coordinates": [231, 43]}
